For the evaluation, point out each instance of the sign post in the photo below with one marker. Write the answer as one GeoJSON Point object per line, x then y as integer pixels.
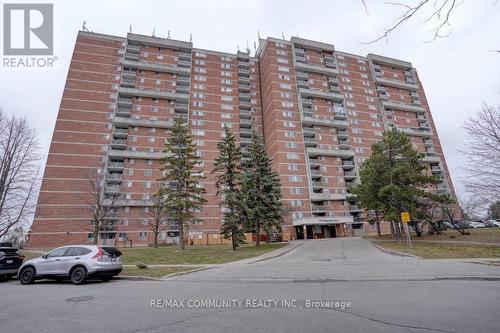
{"type": "Point", "coordinates": [405, 218]}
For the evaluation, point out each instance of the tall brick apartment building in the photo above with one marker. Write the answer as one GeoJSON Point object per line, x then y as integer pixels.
{"type": "Point", "coordinates": [319, 110]}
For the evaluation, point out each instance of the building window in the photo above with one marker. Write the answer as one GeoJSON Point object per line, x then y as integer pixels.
{"type": "Point", "coordinates": [143, 235]}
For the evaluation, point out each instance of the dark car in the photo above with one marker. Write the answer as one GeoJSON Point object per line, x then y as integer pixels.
{"type": "Point", "coordinates": [10, 261]}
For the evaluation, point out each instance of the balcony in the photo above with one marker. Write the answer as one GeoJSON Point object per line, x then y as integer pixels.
{"type": "Point", "coordinates": [123, 112]}
{"type": "Point", "coordinates": [245, 105]}
{"type": "Point", "coordinates": [302, 76]}
{"type": "Point", "coordinates": [329, 152]}
{"type": "Point", "coordinates": [321, 94]}
{"type": "Point", "coordinates": [246, 123]}
{"type": "Point", "coordinates": [245, 132]}
{"type": "Point", "coordinates": [112, 189]}
{"type": "Point", "coordinates": [344, 144]}
{"type": "Point", "coordinates": [333, 80]}
{"type": "Point", "coordinates": [299, 51]}
{"type": "Point", "coordinates": [245, 96]}
{"type": "Point", "coordinates": [125, 102]}
{"type": "Point", "coordinates": [308, 132]}
{"type": "Point", "coordinates": [244, 64]}
{"type": "Point", "coordinates": [416, 132]}
{"type": "Point", "coordinates": [184, 56]}
{"type": "Point", "coordinates": [350, 175]}
{"type": "Point", "coordinates": [243, 79]}
{"type": "Point", "coordinates": [340, 115]}
{"type": "Point", "coordinates": [114, 177]}
{"type": "Point", "coordinates": [431, 159]}
{"type": "Point", "coordinates": [315, 172]}
{"type": "Point", "coordinates": [120, 132]}
{"type": "Point", "coordinates": [403, 107]}
{"type": "Point", "coordinates": [142, 122]}
{"type": "Point", "coordinates": [302, 84]}
{"type": "Point", "coordinates": [181, 107]}
{"type": "Point", "coordinates": [118, 143]}
{"type": "Point", "coordinates": [133, 48]}
{"type": "Point", "coordinates": [244, 87]}
{"type": "Point", "coordinates": [300, 59]}
{"type": "Point", "coordinates": [347, 165]}
{"type": "Point", "coordinates": [245, 114]}
{"type": "Point", "coordinates": [124, 92]}
{"type": "Point", "coordinates": [244, 72]}
{"type": "Point", "coordinates": [183, 81]}
{"type": "Point", "coordinates": [245, 141]}
{"type": "Point", "coordinates": [396, 83]}
{"type": "Point", "coordinates": [421, 118]}
{"type": "Point", "coordinates": [115, 165]}
{"type": "Point", "coordinates": [181, 116]}
{"type": "Point", "coordinates": [355, 208]}
{"type": "Point", "coordinates": [155, 67]}
{"type": "Point", "coordinates": [132, 56]}
{"type": "Point", "coordinates": [129, 74]}
{"type": "Point", "coordinates": [342, 134]}
{"type": "Point", "coordinates": [316, 69]}
{"type": "Point", "coordinates": [130, 83]}
{"type": "Point", "coordinates": [428, 142]}
{"type": "Point", "coordinates": [325, 122]}
{"type": "Point", "coordinates": [310, 142]}
{"type": "Point", "coordinates": [136, 154]}
{"type": "Point", "coordinates": [307, 102]}
{"type": "Point", "coordinates": [317, 184]}
{"type": "Point", "coordinates": [184, 64]}
{"type": "Point", "coordinates": [327, 196]}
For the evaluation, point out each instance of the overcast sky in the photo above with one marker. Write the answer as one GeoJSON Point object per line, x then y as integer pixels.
{"type": "Point", "coordinates": [458, 72]}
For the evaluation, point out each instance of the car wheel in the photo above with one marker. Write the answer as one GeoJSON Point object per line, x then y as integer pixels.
{"type": "Point", "coordinates": [27, 275]}
{"type": "Point", "coordinates": [78, 275]}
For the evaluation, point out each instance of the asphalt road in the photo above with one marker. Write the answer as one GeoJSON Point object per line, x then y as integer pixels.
{"type": "Point", "coordinates": [386, 293]}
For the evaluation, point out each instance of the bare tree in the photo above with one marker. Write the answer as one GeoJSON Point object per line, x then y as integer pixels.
{"type": "Point", "coordinates": [101, 205]}
{"type": "Point", "coordinates": [19, 173]}
{"type": "Point", "coordinates": [471, 207]}
{"type": "Point", "coordinates": [157, 214]}
{"type": "Point", "coordinates": [482, 154]}
{"type": "Point", "coordinates": [437, 14]}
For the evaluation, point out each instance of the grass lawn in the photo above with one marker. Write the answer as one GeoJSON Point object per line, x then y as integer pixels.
{"type": "Point", "coordinates": [491, 235]}
{"type": "Point", "coordinates": [199, 254]}
{"type": "Point", "coordinates": [443, 250]}
{"type": "Point", "coordinates": [155, 272]}
{"type": "Point", "coordinates": [30, 255]}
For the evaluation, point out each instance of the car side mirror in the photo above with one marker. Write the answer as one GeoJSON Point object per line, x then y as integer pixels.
{"type": "Point", "coordinates": [44, 256]}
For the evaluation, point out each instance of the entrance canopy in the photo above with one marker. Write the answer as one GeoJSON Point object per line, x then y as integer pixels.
{"type": "Point", "coordinates": [327, 220]}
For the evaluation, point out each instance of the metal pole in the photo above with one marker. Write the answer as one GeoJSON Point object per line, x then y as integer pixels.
{"type": "Point", "coordinates": [409, 238]}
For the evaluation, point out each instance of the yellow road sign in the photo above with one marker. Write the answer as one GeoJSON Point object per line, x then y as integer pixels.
{"type": "Point", "coordinates": [405, 217]}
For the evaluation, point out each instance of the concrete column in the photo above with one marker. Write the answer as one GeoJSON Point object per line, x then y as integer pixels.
{"type": "Point", "coordinates": [305, 231]}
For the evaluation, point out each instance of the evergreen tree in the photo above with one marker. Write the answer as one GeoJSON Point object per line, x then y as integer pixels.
{"type": "Point", "coordinates": [394, 179]}
{"type": "Point", "coordinates": [261, 191]}
{"type": "Point", "coordinates": [182, 193]}
{"type": "Point", "coordinates": [228, 169]}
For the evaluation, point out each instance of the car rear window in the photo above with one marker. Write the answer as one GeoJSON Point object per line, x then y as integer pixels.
{"type": "Point", "coordinates": [112, 251]}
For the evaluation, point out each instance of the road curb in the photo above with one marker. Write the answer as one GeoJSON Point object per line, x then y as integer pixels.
{"type": "Point", "coordinates": [396, 253]}
{"type": "Point", "coordinates": [166, 277]}
{"type": "Point", "coordinates": [268, 256]}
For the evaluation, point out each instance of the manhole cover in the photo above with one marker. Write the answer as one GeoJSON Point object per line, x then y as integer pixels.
{"type": "Point", "coordinates": [80, 299]}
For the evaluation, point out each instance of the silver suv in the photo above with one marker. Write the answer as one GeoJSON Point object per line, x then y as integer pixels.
{"type": "Point", "coordinates": [76, 262]}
